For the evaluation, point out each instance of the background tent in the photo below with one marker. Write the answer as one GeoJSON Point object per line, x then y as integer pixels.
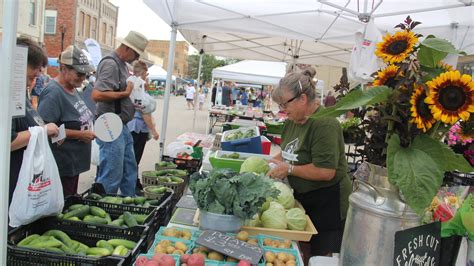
{"type": "Point", "coordinates": [251, 71]}
{"type": "Point", "coordinates": [157, 72]}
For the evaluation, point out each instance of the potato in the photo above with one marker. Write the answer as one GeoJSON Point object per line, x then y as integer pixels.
{"type": "Point", "coordinates": [275, 243]}
{"type": "Point", "coordinates": [159, 249]}
{"type": "Point", "coordinates": [170, 232]}
{"type": "Point", "coordinates": [165, 243]}
{"type": "Point", "coordinates": [215, 256]}
{"type": "Point", "coordinates": [282, 256]}
{"type": "Point", "coordinates": [230, 259]}
{"type": "Point", "coordinates": [267, 242]}
{"type": "Point", "coordinates": [181, 246]}
{"type": "Point", "coordinates": [268, 264]}
{"type": "Point", "coordinates": [243, 236]}
{"type": "Point", "coordinates": [278, 263]}
{"type": "Point", "coordinates": [170, 249]}
{"type": "Point", "coordinates": [270, 256]}
{"type": "Point", "coordinates": [287, 243]}
{"type": "Point", "coordinates": [178, 252]}
{"type": "Point", "coordinates": [253, 241]}
{"type": "Point", "coordinates": [291, 257]}
{"type": "Point", "coordinates": [291, 263]}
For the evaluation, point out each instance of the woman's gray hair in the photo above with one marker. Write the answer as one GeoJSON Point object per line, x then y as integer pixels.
{"type": "Point", "coordinates": [297, 83]}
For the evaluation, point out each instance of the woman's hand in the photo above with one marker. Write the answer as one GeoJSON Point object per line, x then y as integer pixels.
{"type": "Point", "coordinates": [155, 135]}
{"type": "Point", "coordinates": [52, 130]}
{"type": "Point", "coordinates": [86, 136]}
{"type": "Point", "coordinates": [280, 170]}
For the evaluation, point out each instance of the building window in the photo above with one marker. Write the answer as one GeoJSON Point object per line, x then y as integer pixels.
{"type": "Point", "coordinates": [80, 27]}
{"type": "Point", "coordinates": [109, 35]}
{"type": "Point", "coordinates": [50, 21]}
{"type": "Point", "coordinates": [32, 12]}
{"type": "Point", "coordinates": [103, 31]}
{"type": "Point", "coordinates": [88, 26]}
{"type": "Point", "coordinates": [94, 29]}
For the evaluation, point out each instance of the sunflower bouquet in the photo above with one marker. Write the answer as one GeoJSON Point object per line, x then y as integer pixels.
{"type": "Point", "coordinates": [414, 99]}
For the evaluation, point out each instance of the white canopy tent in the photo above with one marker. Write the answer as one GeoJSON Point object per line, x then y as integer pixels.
{"type": "Point", "coordinates": [157, 72]}
{"type": "Point", "coordinates": [305, 31]}
{"type": "Point", "coordinates": [251, 71]}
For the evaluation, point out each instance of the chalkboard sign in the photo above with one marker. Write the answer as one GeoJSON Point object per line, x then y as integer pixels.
{"type": "Point", "coordinates": [230, 246]}
{"type": "Point", "coordinates": [418, 246]}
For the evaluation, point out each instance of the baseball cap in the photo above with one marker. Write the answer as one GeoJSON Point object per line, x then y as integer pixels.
{"type": "Point", "coordinates": [74, 57]}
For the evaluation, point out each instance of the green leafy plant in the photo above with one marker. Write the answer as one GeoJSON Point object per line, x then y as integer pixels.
{"type": "Point", "coordinates": [412, 102]}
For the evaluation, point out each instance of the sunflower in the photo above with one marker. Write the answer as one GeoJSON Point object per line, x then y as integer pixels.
{"type": "Point", "coordinates": [444, 67]}
{"type": "Point", "coordinates": [420, 112]}
{"type": "Point", "coordinates": [395, 48]}
{"type": "Point", "coordinates": [387, 76]}
{"type": "Point", "coordinates": [451, 97]}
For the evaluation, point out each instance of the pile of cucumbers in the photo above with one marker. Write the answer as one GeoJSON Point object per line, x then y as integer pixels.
{"type": "Point", "coordinates": [97, 215]}
{"type": "Point", "coordinates": [135, 201]}
{"type": "Point", "coordinates": [165, 165]}
{"type": "Point", "coordinates": [170, 172]}
{"type": "Point", "coordinates": [59, 242]}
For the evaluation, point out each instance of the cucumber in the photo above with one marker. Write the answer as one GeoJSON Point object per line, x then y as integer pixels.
{"type": "Point", "coordinates": [154, 202]}
{"type": "Point", "coordinates": [25, 241]}
{"type": "Point", "coordinates": [108, 218]}
{"type": "Point", "coordinates": [53, 249]}
{"type": "Point", "coordinates": [38, 240]}
{"type": "Point", "coordinates": [95, 220]}
{"type": "Point", "coordinates": [130, 221]}
{"type": "Point", "coordinates": [146, 205]}
{"type": "Point", "coordinates": [60, 216]}
{"type": "Point", "coordinates": [105, 244]}
{"type": "Point", "coordinates": [81, 247]}
{"type": "Point", "coordinates": [51, 242]}
{"type": "Point", "coordinates": [74, 207]}
{"type": "Point", "coordinates": [124, 251]}
{"type": "Point", "coordinates": [98, 211]}
{"type": "Point", "coordinates": [101, 252]}
{"type": "Point", "coordinates": [79, 213]}
{"type": "Point", "coordinates": [139, 200]}
{"type": "Point", "coordinates": [94, 196]}
{"type": "Point", "coordinates": [118, 250]}
{"type": "Point", "coordinates": [122, 242]}
{"type": "Point", "coordinates": [140, 218]}
{"type": "Point", "coordinates": [128, 200]}
{"type": "Point", "coordinates": [60, 235]}
{"type": "Point", "coordinates": [118, 222]}
{"type": "Point", "coordinates": [74, 218]}
{"type": "Point", "coordinates": [67, 249]}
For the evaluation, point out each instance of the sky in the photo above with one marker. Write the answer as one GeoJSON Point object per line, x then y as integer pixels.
{"type": "Point", "coordinates": [135, 15]}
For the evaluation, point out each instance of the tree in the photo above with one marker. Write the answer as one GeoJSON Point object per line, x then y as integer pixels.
{"type": "Point", "coordinates": [209, 62]}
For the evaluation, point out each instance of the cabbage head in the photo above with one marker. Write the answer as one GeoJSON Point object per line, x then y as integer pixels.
{"type": "Point", "coordinates": [286, 197]}
{"type": "Point", "coordinates": [255, 164]}
{"type": "Point", "coordinates": [296, 218]}
{"type": "Point", "coordinates": [274, 217]}
{"type": "Point", "coordinates": [254, 222]}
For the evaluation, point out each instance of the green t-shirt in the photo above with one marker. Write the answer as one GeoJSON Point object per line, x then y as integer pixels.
{"type": "Point", "coordinates": [320, 142]}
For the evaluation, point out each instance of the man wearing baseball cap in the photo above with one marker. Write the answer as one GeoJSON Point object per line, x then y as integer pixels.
{"type": "Point", "coordinates": [117, 165]}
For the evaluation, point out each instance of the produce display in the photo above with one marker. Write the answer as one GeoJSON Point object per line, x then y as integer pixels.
{"type": "Point", "coordinates": [135, 201]}
{"type": "Point", "coordinates": [166, 246]}
{"type": "Point", "coordinates": [275, 243]}
{"type": "Point", "coordinates": [224, 191]}
{"type": "Point", "coordinates": [234, 156]}
{"type": "Point", "coordinates": [177, 233]}
{"type": "Point", "coordinates": [279, 258]}
{"type": "Point", "coordinates": [59, 242]}
{"type": "Point", "coordinates": [164, 164]}
{"type": "Point", "coordinates": [156, 189]}
{"type": "Point", "coordinates": [256, 165]}
{"type": "Point", "coordinates": [242, 133]}
{"type": "Point", "coordinates": [171, 172]}
{"type": "Point", "coordinates": [96, 215]}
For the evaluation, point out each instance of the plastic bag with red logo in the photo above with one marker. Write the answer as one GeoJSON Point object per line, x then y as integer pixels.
{"type": "Point", "coordinates": [38, 191]}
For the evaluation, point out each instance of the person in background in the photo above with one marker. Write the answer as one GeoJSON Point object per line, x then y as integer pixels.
{"type": "Point", "coordinates": [330, 100]}
{"type": "Point", "coordinates": [213, 94]}
{"type": "Point", "coordinates": [190, 91]}
{"type": "Point", "coordinates": [142, 123]}
{"type": "Point", "coordinates": [20, 136]}
{"type": "Point", "coordinates": [226, 94]}
{"type": "Point", "coordinates": [235, 94]}
{"type": "Point", "coordinates": [312, 157]}
{"type": "Point", "coordinates": [206, 89]}
{"type": "Point", "coordinates": [61, 103]}
{"type": "Point", "coordinates": [201, 99]}
{"type": "Point", "coordinates": [244, 97]}
{"type": "Point", "coordinates": [87, 94]}
{"type": "Point", "coordinates": [38, 86]}
{"type": "Point", "coordinates": [117, 164]}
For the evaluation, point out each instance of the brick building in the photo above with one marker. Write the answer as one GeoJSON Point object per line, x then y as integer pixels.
{"type": "Point", "coordinates": [160, 48]}
{"type": "Point", "coordinates": [70, 22]}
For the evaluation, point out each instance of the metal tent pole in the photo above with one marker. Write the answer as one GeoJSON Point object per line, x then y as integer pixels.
{"type": "Point", "coordinates": [9, 25]}
{"type": "Point", "coordinates": [169, 79]}
{"type": "Point", "coordinates": [201, 53]}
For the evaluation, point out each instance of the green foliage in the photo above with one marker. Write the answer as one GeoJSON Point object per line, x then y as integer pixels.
{"type": "Point", "coordinates": [209, 62]}
{"type": "Point", "coordinates": [224, 191]}
{"type": "Point", "coordinates": [433, 50]}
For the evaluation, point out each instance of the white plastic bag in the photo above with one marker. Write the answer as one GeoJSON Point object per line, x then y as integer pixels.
{"type": "Point", "coordinates": [38, 191]}
{"type": "Point", "coordinates": [94, 153]}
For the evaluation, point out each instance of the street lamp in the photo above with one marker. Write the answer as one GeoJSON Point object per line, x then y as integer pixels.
{"type": "Point", "coordinates": [63, 31]}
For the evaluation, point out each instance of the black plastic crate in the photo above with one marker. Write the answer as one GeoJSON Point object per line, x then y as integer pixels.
{"type": "Point", "coordinates": [456, 178]}
{"type": "Point", "coordinates": [191, 165]}
{"type": "Point", "coordinates": [22, 256]}
{"type": "Point", "coordinates": [82, 232]}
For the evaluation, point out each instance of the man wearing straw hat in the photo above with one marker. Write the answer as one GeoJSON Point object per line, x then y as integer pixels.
{"type": "Point", "coordinates": [117, 165]}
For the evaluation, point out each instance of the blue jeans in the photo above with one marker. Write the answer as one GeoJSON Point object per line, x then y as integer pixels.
{"type": "Point", "coordinates": [117, 165]}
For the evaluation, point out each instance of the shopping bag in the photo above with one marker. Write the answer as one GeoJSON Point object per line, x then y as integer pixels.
{"type": "Point", "coordinates": [94, 153]}
{"type": "Point", "coordinates": [38, 191]}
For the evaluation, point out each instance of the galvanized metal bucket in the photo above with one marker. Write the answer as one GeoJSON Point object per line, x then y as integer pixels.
{"type": "Point", "coordinates": [376, 212]}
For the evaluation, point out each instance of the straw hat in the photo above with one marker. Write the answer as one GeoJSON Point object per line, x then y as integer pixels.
{"type": "Point", "coordinates": [135, 41]}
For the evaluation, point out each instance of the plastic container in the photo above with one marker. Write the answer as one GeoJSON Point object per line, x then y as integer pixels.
{"type": "Point", "coordinates": [173, 240]}
{"type": "Point", "coordinates": [274, 128]}
{"type": "Point", "coordinates": [266, 145]}
{"type": "Point", "coordinates": [218, 162]}
{"type": "Point", "coordinates": [249, 145]}
{"type": "Point", "coordinates": [181, 229]}
{"type": "Point", "coordinates": [150, 256]}
{"type": "Point", "coordinates": [219, 222]}
{"type": "Point", "coordinates": [88, 235]}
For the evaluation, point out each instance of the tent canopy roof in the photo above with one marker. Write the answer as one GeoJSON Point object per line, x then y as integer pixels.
{"type": "Point", "coordinates": [251, 71]}
{"type": "Point", "coordinates": [257, 29]}
{"type": "Point", "coordinates": [157, 72]}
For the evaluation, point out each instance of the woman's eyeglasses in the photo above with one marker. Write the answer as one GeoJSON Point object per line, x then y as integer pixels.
{"type": "Point", "coordinates": [285, 104]}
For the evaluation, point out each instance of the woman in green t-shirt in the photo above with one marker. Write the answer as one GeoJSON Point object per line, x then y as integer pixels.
{"type": "Point", "coordinates": [313, 160]}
